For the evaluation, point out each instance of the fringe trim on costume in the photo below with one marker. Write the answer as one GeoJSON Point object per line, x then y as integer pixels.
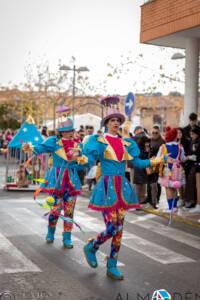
{"type": "Point", "coordinates": [115, 206]}
{"type": "Point", "coordinates": [60, 192]}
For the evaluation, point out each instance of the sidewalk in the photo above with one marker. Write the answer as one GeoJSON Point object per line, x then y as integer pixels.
{"type": "Point", "coordinates": [181, 216]}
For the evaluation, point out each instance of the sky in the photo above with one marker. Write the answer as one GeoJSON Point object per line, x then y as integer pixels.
{"type": "Point", "coordinates": [95, 32]}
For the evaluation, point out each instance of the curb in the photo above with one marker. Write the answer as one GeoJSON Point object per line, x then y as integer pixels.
{"type": "Point", "coordinates": [175, 218]}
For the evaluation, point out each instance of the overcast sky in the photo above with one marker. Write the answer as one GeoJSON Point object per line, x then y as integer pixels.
{"type": "Point", "coordinates": [94, 31]}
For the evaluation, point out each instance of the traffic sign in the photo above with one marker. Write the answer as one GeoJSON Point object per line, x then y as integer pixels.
{"type": "Point", "coordinates": [129, 104]}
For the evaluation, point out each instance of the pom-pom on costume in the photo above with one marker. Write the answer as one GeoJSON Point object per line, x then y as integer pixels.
{"type": "Point", "coordinates": [61, 181]}
{"type": "Point", "coordinates": [113, 194]}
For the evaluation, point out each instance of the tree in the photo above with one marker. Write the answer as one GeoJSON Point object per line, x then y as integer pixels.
{"type": "Point", "coordinates": [6, 118]}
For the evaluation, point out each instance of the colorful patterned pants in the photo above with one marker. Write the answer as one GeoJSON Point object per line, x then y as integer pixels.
{"type": "Point", "coordinates": [114, 221]}
{"type": "Point", "coordinates": [68, 208]}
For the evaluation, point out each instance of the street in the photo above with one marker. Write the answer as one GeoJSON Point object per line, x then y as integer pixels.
{"type": "Point", "coordinates": [153, 256]}
{"type": "Point", "coordinates": [100, 99]}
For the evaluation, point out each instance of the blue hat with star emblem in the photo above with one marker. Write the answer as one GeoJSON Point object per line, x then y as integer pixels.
{"type": "Point", "coordinates": [67, 125]}
{"type": "Point", "coordinates": [28, 133]}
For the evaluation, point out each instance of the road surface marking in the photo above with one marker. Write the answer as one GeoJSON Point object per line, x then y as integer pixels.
{"type": "Point", "coordinates": [131, 218]}
{"type": "Point", "coordinates": [132, 241]}
{"type": "Point", "coordinates": [38, 225]}
{"type": "Point", "coordinates": [12, 260]}
{"type": "Point", "coordinates": [150, 249]}
{"type": "Point", "coordinates": [155, 252]}
{"type": "Point", "coordinates": [172, 233]}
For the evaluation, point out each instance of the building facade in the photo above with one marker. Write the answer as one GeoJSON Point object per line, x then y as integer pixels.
{"type": "Point", "coordinates": [162, 110]}
{"type": "Point", "coordinates": [176, 23]}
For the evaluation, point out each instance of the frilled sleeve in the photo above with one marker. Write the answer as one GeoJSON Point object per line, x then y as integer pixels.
{"type": "Point", "coordinates": [82, 160]}
{"type": "Point", "coordinates": [47, 146]}
{"type": "Point", "coordinates": [134, 151]}
{"type": "Point", "coordinates": [91, 149]}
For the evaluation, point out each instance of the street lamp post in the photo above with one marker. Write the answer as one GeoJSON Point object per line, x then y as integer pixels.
{"type": "Point", "coordinates": [20, 103]}
{"type": "Point", "coordinates": [39, 85]}
{"type": "Point", "coordinates": [73, 91]}
{"type": "Point", "coordinates": [74, 69]}
{"type": "Point", "coordinates": [46, 86]}
{"type": "Point", "coordinates": [51, 84]}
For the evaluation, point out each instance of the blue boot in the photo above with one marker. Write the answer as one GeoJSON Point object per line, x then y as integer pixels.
{"type": "Point", "coordinates": [67, 242]}
{"type": "Point", "coordinates": [50, 234]}
{"type": "Point", "coordinates": [170, 202]}
{"type": "Point", "coordinates": [112, 270]}
{"type": "Point", "coordinates": [90, 254]}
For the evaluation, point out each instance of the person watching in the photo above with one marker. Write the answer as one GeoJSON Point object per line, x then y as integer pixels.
{"type": "Point", "coordinates": [193, 121]}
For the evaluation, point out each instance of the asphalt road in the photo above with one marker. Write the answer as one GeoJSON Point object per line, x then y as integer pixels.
{"type": "Point", "coordinates": [153, 256]}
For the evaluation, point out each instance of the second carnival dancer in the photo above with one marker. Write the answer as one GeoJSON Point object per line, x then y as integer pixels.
{"type": "Point", "coordinates": [63, 182]}
{"type": "Point", "coordinates": [113, 194]}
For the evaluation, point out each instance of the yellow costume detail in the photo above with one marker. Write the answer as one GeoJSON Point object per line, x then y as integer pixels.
{"type": "Point", "coordinates": [81, 160]}
{"type": "Point", "coordinates": [157, 161]}
{"type": "Point", "coordinates": [98, 172]}
{"type": "Point", "coordinates": [110, 154]}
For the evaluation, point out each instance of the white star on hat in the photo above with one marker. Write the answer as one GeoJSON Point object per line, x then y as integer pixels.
{"type": "Point", "coordinates": [25, 129]}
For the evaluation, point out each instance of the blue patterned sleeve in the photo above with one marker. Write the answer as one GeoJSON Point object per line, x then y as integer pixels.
{"type": "Point", "coordinates": [91, 149]}
{"type": "Point", "coordinates": [47, 146]}
{"type": "Point", "coordinates": [84, 164]}
{"type": "Point", "coordinates": [134, 151]}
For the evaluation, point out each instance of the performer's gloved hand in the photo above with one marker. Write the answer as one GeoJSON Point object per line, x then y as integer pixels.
{"type": "Point", "coordinates": [73, 153]}
{"type": "Point", "coordinates": [192, 157]}
{"type": "Point", "coordinates": [81, 160]}
{"type": "Point", "coordinates": [27, 147]}
{"type": "Point", "coordinates": [2, 150]}
{"type": "Point", "coordinates": [154, 161]}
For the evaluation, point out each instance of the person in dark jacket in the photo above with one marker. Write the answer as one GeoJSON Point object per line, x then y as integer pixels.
{"type": "Point", "coordinates": [193, 121]}
{"type": "Point", "coordinates": [156, 140]}
{"type": "Point", "coordinates": [196, 209]}
{"type": "Point", "coordinates": [153, 187]}
{"type": "Point", "coordinates": [193, 167]}
{"type": "Point", "coordinates": [138, 133]}
{"type": "Point", "coordinates": [140, 177]}
{"type": "Point", "coordinates": [183, 140]}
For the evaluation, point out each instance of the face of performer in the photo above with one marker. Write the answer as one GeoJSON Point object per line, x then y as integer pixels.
{"type": "Point", "coordinates": [113, 125]}
{"type": "Point", "coordinates": [68, 135]}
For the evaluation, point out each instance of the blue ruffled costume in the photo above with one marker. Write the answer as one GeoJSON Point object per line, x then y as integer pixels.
{"type": "Point", "coordinates": [113, 190]}
{"type": "Point", "coordinates": [57, 184]}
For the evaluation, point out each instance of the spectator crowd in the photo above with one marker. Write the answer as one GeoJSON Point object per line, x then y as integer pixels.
{"type": "Point", "coordinates": [180, 176]}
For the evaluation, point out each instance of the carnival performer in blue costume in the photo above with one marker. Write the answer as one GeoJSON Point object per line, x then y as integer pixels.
{"type": "Point", "coordinates": [61, 181]}
{"type": "Point", "coordinates": [113, 194]}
